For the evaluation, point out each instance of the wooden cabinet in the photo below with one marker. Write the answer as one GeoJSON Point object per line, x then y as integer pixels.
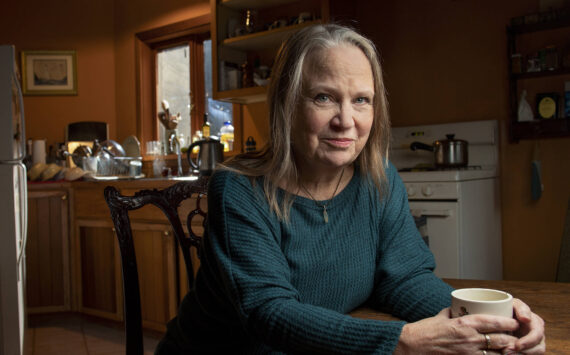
{"type": "Point", "coordinates": [97, 273]}
{"type": "Point", "coordinates": [47, 252]}
{"type": "Point", "coordinates": [73, 261]}
{"type": "Point", "coordinates": [97, 281]}
{"type": "Point", "coordinates": [539, 62]}
{"type": "Point", "coordinates": [100, 284]}
{"type": "Point", "coordinates": [240, 50]}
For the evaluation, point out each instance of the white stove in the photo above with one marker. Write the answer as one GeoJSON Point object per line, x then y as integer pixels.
{"type": "Point", "coordinates": [457, 210]}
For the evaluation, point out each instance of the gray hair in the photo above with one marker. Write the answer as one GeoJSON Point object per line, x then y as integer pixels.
{"type": "Point", "coordinates": [275, 162]}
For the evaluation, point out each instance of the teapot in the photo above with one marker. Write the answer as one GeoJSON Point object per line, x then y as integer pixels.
{"type": "Point", "coordinates": [210, 152]}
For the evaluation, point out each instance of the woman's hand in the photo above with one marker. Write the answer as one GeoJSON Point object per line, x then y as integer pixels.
{"type": "Point", "coordinates": [531, 330]}
{"type": "Point", "coordinates": [466, 335]}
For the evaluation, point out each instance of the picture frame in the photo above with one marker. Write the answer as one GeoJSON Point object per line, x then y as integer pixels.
{"type": "Point", "coordinates": [49, 72]}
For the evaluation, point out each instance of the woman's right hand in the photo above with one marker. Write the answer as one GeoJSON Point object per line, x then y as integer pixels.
{"type": "Point", "coordinates": [464, 335]}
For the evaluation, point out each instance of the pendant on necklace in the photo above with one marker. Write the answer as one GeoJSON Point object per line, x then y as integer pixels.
{"type": "Point", "coordinates": [325, 214]}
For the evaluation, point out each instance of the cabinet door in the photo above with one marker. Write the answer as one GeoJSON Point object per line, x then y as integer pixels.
{"type": "Point", "coordinates": [47, 252]}
{"type": "Point", "coordinates": [100, 290]}
{"type": "Point", "coordinates": [97, 288]}
{"type": "Point", "coordinates": [156, 263]}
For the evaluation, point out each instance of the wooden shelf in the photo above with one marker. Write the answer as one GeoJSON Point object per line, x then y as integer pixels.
{"type": "Point", "coordinates": [246, 4]}
{"type": "Point", "coordinates": [264, 39]}
{"type": "Point", "coordinates": [540, 74]}
{"type": "Point", "coordinates": [543, 81]}
{"type": "Point", "coordinates": [552, 128]}
{"type": "Point", "coordinates": [539, 26]}
{"type": "Point", "coordinates": [242, 96]}
{"type": "Point", "coordinates": [258, 48]}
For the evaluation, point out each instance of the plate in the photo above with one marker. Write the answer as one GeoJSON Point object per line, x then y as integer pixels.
{"type": "Point", "coordinates": [110, 178]}
{"type": "Point", "coordinates": [74, 173]}
{"type": "Point", "coordinates": [132, 147]}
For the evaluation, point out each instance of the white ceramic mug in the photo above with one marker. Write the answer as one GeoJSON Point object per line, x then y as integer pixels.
{"type": "Point", "coordinates": [481, 301]}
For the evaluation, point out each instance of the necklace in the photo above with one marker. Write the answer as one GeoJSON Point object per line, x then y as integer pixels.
{"type": "Point", "coordinates": [324, 206]}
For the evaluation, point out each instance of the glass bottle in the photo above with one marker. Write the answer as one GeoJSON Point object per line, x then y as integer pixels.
{"type": "Point", "coordinates": [206, 127]}
{"type": "Point", "coordinates": [197, 137]}
{"type": "Point", "coordinates": [249, 22]}
{"type": "Point", "coordinates": [227, 136]}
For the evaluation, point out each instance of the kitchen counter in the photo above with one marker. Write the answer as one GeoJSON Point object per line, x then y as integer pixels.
{"type": "Point", "coordinates": [140, 183]}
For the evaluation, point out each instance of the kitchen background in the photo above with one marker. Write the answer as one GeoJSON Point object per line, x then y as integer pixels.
{"type": "Point", "coordinates": [444, 61]}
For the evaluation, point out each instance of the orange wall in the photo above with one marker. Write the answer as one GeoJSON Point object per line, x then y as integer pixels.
{"type": "Point", "coordinates": [81, 25]}
{"type": "Point", "coordinates": [102, 33]}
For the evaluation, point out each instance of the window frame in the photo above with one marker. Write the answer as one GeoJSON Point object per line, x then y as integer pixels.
{"type": "Point", "coordinates": [147, 45]}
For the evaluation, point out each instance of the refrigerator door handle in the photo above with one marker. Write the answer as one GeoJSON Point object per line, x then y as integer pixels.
{"type": "Point", "coordinates": [22, 120]}
{"type": "Point", "coordinates": [23, 215]}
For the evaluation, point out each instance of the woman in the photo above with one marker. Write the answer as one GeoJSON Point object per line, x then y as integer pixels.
{"type": "Point", "coordinates": [318, 224]}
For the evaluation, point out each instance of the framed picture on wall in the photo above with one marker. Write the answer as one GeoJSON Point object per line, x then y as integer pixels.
{"type": "Point", "coordinates": [49, 73]}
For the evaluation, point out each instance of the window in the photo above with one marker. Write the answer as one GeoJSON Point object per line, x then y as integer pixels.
{"type": "Point", "coordinates": [173, 91]}
{"type": "Point", "coordinates": [174, 67]}
{"type": "Point", "coordinates": [218, 111]}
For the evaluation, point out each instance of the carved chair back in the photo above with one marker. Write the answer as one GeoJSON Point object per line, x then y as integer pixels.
{"type": "Point", "coordinates": [167, 200]}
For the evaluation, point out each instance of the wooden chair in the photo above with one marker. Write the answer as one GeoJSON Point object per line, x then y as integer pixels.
{"type": "Point", "coordinates": [168, 200]}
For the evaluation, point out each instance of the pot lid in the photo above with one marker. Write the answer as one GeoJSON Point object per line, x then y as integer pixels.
{"type": "Point", "coordinates": [451, 139]}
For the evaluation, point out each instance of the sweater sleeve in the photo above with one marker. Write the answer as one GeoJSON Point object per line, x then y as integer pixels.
{"type": "Point", "coordinates": [243, 242]}
{"type": "Point", "coordinates": [405, 284]}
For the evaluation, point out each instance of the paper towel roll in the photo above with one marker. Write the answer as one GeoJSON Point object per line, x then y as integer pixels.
{"type": "Point", "coordinates": [39, 151]}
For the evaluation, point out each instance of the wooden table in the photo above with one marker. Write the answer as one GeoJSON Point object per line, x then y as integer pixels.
{"type": "Point", "coordinates": [549, 300]}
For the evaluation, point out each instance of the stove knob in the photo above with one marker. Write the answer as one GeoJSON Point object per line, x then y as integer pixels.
{"type": "Point", "coordinates": [411, 191]}
{"type": "Point", "coordinates": [427, 190]}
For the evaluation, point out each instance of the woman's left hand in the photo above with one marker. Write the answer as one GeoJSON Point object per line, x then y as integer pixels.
{"type": "Point", "coordinates": [531, 330]}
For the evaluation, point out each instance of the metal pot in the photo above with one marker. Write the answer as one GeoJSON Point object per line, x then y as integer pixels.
{"type": "Point", "coordinates": [448, 153]}
{"type": "Point", "coordinates": [210, 152]}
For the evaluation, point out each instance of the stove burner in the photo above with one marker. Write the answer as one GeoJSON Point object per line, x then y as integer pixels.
{"type": "Point", "coordinates": [432, 168]}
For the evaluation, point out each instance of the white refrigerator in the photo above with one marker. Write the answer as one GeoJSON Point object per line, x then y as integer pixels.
{"type": "Point", "coordinates": [13, 206]}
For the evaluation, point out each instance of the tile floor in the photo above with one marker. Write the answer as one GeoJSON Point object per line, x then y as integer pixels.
{"type": "Point", "coordinates": [72, 333]}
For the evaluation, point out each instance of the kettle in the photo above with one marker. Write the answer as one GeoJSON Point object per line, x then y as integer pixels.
{"type": "Point", "coordinates": [210, 152]}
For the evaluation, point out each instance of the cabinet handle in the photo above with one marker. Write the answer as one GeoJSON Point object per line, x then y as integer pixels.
{"type": "Point", "coordinates": [64, 197]}
{"type": "Point", "coordinates": [166, 233]}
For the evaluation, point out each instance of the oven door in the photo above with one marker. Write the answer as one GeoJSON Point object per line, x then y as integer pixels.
{"type": "Point", "coordinates": [441, 233]}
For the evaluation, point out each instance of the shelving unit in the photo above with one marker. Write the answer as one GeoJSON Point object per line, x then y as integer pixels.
{"type": "Point", "coordinates": [233, 50]}
{"type": "Point", "coordinates": [551, 79]}
{"type": "Point", "coordinates": [262, 40]}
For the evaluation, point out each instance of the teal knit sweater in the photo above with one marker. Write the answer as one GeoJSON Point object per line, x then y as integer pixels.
{"type": "Point", "coordinates": [266, 286]}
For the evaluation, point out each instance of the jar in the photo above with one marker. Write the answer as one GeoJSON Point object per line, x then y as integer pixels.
{"type": "Point", "coordinates": [227, 136]}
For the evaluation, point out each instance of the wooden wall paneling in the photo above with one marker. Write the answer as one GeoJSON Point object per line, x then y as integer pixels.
{"type": "Point", "coordinates": [169, 254]}
{"type": "Point", "coordinates": [32, 260]}
{"type": "Point", "coordinates": [65, 249]}
{"type": "Point", "coordinates": [47, 252]}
